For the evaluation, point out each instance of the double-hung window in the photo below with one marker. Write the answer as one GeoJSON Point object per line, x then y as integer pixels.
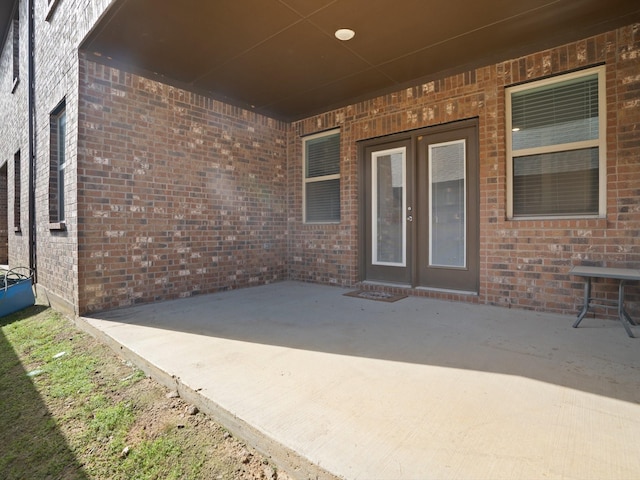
{"type": "Point", "coordinates": [556, 158]}
{"type": "Point", "coordinates": [322, 178]}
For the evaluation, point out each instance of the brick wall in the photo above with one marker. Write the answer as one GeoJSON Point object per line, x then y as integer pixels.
{"type": "Point", "coordinates": [4, 230]}
{"type": "Point", "coordinates": [524, 263]}
{"type": "Point", "coordinates": [14, 135]}
{"type": "Point", "coordinates": [178, 194]}
{"type": "Point", "coordinates": [324, 253]}
{"type": "Point", "coordinates": [58, 34]}
{"type": "Point", "coordinates": [59, 28]}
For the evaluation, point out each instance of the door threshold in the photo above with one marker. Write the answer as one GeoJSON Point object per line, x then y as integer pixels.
{"type": "Point", "coordinates": [406, 286]}
{"type": "Point", "coordinates": [447, 290]}
{"type": "Point", "coordinates": [386, 284]}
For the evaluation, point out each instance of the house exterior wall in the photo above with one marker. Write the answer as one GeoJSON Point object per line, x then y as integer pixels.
{"type": "Point", "coordinates": [59, 28]}
{"type": "Point", "coordinates": [178, 194]}
{"type": "Point", "coordinates": [58, 33]}
{"type": "Point", "coordinates": [15, 137]}
{"type": "Point", "coordinates": [171, 193]}
{"type": "Point", "coordinates": [4, 227]}
{"type": "Point", "coordinates": [323, 253]}
{"type": "Point", "coordinates": [523, 263]}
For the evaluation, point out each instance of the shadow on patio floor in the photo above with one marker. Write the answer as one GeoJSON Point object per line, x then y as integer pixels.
{"type": "Point", "coordinates": [418, 388]}
{"type": "Point", "coordinates": [598, 357]}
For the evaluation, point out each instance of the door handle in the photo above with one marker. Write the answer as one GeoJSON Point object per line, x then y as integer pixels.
{"type": "Point", "coordinates": [410, 218]}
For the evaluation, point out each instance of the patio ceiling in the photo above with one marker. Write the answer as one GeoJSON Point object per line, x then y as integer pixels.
{"type": "Point", "coordinates": [281, 58]}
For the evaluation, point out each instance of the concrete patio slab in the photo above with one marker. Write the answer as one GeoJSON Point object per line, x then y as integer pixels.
{"type": "Point", "coordinates": [416, 389]}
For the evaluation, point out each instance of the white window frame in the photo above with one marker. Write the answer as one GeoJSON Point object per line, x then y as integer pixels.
{"type": "Point", "coordinates": [375, 202]}
{"type": "Point", "coordinates": [57, 165]}
{"type": "Point", "coordinates": [463, 142]}
{"type": "Point", "coordinates": [323, 178]}
{"type": "Point", "coordinates": [600, 142]}
{"type": "Point", "coordinates": [62, 160]}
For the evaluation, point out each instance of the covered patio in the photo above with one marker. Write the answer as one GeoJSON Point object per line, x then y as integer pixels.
{"type": "Point", "coordinates": [331, 385]}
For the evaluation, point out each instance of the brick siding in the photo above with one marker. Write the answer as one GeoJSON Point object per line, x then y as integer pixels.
{"type": "Point", "coordinates": [179, 194]}
{"type": "Point", "coordinates": [4, 215]}
{"type": "Point", "coordinates": [523, 263]}
{"type": "Point", "coordinates": [171, 193]}
{"type": "Point", "coordinates": [14, 137]}
{"type": "Point", "coordinates": [56, 78]}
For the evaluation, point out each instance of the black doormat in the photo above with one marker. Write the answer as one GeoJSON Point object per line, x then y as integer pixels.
{"type": "Point", "coordinates": [374, 295]}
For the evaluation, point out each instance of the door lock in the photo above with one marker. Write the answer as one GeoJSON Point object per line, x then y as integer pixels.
{"type": "Point", "coordinates": [410, 218]}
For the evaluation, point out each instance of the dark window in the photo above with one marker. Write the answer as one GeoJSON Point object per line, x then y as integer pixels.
{"type": "Point", "coordinates": [322, 178]}
{"type": "Point", "coordinates": [17, 189]}
{"type": "Point", "coordinates": [58, 127]}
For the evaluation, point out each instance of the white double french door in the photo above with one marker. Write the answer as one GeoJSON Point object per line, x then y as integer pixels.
{"type": "Point", "coordinates": [421, 208]}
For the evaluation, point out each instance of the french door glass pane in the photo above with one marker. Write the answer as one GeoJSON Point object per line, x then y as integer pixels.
{"type": "Point", "coordinates": [388, 207]}
{"type": "Point", "coordinates": [447, 243]}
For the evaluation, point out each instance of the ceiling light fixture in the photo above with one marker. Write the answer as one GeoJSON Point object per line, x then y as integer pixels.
{"type": "Point", "coordinates": [345, 34]}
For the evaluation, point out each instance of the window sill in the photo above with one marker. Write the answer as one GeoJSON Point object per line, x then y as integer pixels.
{"type": "Point", "coordinates": [322, 223]}
{"type": "Point", "coordinates": [59, 226]}
{"type": "Point", "coordinates": [558, 217]}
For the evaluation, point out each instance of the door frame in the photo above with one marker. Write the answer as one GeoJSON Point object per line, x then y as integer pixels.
{"type": "Point", "coordinates": [413, 137]}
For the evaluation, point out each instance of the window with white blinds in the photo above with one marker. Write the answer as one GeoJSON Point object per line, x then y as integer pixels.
{"type": "Point", "coordinates": [322, 178]}
{"type": "Point", "coordinates": [556, 146]}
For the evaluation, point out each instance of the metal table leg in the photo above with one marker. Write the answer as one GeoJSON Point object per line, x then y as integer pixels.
{"type": "Point", "coordinates": [629, 319]}
{"type": "Point", "coordinates": [585, 307]}
{"type": "Point", "coordinates": [622, 314]}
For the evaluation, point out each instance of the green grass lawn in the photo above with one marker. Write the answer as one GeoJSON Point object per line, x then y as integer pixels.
{"type": "Point", "coordinates": [71, 409]}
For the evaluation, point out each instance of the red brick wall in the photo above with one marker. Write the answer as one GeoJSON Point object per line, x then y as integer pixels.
{"type": "Point", "coordinates": [14, 137]}
{"type": "Point", "coordinates": [178, 194]}
{"type": "Point", "coordinates": [4, 215]}
{"type": "Point", "coordinates": [56, 78]}
{"type": "Point", "coordinates": [524, 263]}
{"type": "Point", "coordinates": [323, 253]}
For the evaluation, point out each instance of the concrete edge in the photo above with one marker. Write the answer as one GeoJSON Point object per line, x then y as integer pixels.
{"type": "Point", "coordinates": [50, 299]}
{"type": "Point", "coordinates": [293, 464]}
